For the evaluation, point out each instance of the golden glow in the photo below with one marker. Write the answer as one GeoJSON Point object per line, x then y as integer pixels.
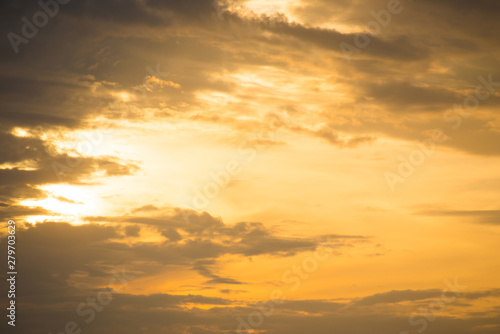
{"type": "Point", "coordinates": [66, 201]}
{"type": "Point", "coordinates": [20, 132]}
{"type": "Point", "coordinates": [44, 218]}
{"type": "Point", "coordinates": [124, 96]}
{"type": "Point", "coordinates": [24, 165]}
{"type": "Point", "coordinates": [53, 204]}
{"type": "Point", "coordinates": [268, 7]}
{"type": "Point", "coordinates": [152, 82]}
{"type": "Point", "coordinates": [265, 130]}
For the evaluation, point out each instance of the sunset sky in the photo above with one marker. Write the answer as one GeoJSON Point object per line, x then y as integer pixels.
{"type": "Point", "coordinates": [271, 167]}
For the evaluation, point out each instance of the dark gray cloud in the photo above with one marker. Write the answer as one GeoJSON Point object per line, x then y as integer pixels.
{"type": "Point", "coordinates": [93, 249]}
{"type": "Point", "coordinates": [18, 211]}
{"type": "Point", "coordinates": [203, 268]}
{"type": "Point", "coordinates": [489, 217]}
{"type": "Point", "coordinates": [45, 88]}
{"type": "Point", "coordinates": [63, 264]}
{"type": "Point", "coordinates": [399, 48]}
{"type": "Point", "coordinates": [201, 236]}
{"type": "Point", "coordinates": [404, 96]}
{"type": "Point", "coordinates": [30, 162]}
{"type": "Point", "coordinates": [398, 296]}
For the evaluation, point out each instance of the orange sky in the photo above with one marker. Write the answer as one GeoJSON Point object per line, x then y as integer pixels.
{"type": "Point", "coordinates": [225, 153]}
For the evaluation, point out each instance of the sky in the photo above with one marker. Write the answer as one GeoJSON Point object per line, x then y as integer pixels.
{"type": "Point", "coordinates": [251, 166]}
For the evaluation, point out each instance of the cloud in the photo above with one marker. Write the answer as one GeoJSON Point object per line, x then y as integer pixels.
{"type": "Point", "coordinates": [405, 96]}
{"type": "Point", "coordinates": [55, 282]}
{"type": "Point", "coordinates": [489, 217]}
{"type": "Point", "coordinates": [88, 68]}
{"type": "Point", "coordinates": [399, 48]}
{"type": "Point", "coordinates": [18, 211]}
{"type": "Point", "coordinates": [398, 296]}
{"type": "Point", "coordinates": [29, 162]}
{"type": "Point", "coordinates": [63, 279]}
{"type": "Point", "coordinates": [401, 71]}
{"type": "Point", "coordinates": [92, 249]}
{"type": "Point", "coordinates": [333, 137]}
{"type": "Point", "coordinates": [202, 267]}
{"type": "Point", "coordinates": [201, 236]}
